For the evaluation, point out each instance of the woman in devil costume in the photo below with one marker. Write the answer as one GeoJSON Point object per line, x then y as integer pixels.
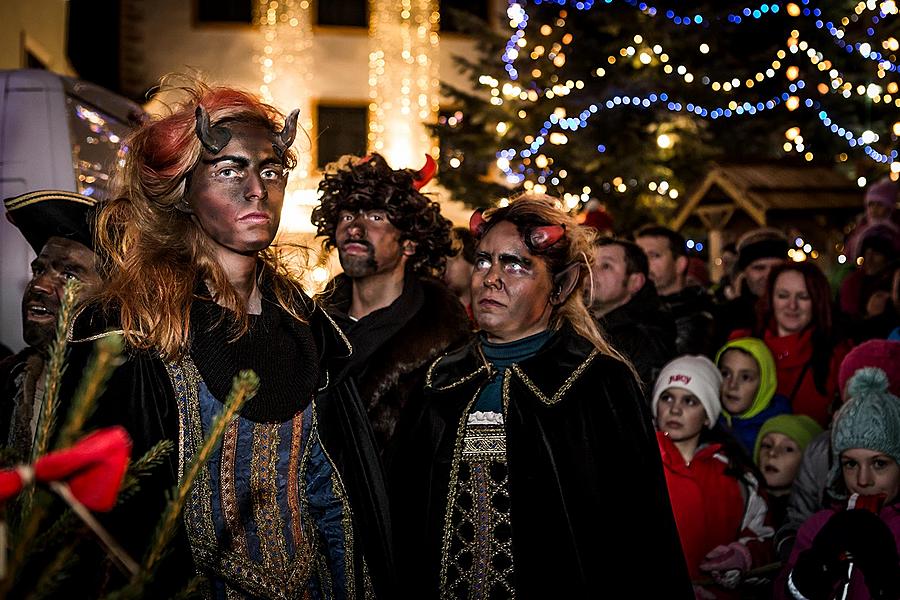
{"type": "Point", "coordinates": [292, 502]}
{"type": "Point", "coordinates": [527, 466]}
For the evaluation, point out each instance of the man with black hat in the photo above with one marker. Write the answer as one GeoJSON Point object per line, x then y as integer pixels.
{"type": "Point", "coordinates": [57, 225]}
{"type": "Point", "coordinates": [759, 251]}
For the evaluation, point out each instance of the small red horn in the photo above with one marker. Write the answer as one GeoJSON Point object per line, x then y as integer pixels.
{"type": "Point", "coordinates": [425, 174]}
{"type": "Point", "coordinates": [541, 238]}
{"type": "Point", "coordinates": [477, 223]}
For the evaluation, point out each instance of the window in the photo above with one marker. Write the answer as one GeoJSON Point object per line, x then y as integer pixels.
{"type": "Point", "coordinates": [225, 11]}
{"type": "Point", "coordinates": [473, 8]}
{"type": "Point", "coordinates": [345, 13]}
{"type": "Point", "coordinates": [340, 130]}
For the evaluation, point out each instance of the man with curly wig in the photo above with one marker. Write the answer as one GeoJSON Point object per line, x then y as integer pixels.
{"type": "Point", "coordinates": [391, 241]}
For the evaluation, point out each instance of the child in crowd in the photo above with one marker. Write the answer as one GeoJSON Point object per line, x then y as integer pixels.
{"type": "Point", "coordinates": [848, 551]}
{"type": "Point", "coordinates": [749, 382]}
{"type": "Point", "coordinates": [720, 514]}
{"type": "Point", "coordinates": [778, 453]}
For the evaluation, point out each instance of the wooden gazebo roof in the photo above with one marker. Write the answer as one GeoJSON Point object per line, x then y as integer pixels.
{"type": "Point", "coordinates": [757, 189]}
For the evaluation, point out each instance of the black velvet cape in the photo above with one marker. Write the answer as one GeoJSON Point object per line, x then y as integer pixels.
{"type": "Point", "coordinates": [140, 397]}
{"type": "Point", "coordinates": [590, 511]}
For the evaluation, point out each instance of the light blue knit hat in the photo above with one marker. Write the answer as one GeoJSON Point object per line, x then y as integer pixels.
{"type": "Point", "coordinates": [870, 418]}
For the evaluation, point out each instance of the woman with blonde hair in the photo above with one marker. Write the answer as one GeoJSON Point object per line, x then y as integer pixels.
{"type": "Point", "coordinates": [529, 466]}
{"type": "Point", "coordinates": [292, 501]}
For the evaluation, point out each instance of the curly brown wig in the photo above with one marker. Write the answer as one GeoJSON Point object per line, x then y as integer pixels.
{"type": "Point", "coordinates": [354, 184]}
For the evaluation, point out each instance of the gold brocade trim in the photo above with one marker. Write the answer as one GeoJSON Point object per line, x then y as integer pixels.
{"type": "Point", "coordinates": [429, 376]}
{"type": "Point", "coordinates": [484, 442]}
{"type": "Point", "coordinates": [454, 482]}
{"type": "Point", "coordinates": [293, 490]}
{"type": "Point", "coordinates": [562, 390]}
{"type": "Point", "coordinates": [339, 331]}
{"type": "Point", "coordinates": [230, 510]}
{"type": "Point", "coordinates": [264, 498]}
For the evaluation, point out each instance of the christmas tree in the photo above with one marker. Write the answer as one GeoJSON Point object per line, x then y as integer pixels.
{"type": "Point", "coordinates": [626, 102]}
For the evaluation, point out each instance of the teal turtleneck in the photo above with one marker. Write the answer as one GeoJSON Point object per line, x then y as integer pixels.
{"type": "Point", "coordinates": [501, 356]}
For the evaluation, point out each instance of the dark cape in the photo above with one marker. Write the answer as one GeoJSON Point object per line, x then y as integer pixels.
{"type": "Point", "coordinates": [590, 512]}
{"type": "Point", "coordinates": [393, 346]}
{"type": "Point", "coordinates": [140, 397]}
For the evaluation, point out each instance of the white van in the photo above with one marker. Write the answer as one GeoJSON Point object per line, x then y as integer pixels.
{"type": "Point", "coordinates": [55, 133]}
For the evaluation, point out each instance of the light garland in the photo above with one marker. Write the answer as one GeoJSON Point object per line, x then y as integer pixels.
{"type": "Point", "coordinates": [403, 82]}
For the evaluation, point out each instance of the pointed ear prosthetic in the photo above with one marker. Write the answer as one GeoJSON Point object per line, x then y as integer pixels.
{"type": "Point", "coordinates": [425, 174]}
{"type": "Point", "coordinates": [477, 223]}
{"type": "Point", "coordinates": [212, 138]}
{"type": "Point", "coordinates": [564, 283]}
{"type": "Point", "coordinates": [541, 238]}
{"type": "Point", "coordinates": [287, 134]}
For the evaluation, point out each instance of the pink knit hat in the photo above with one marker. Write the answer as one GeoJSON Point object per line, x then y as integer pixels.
{"type": "Point", "coordinates": [884, 192]}
{"type": "Point", "coordinates": [874, 353]}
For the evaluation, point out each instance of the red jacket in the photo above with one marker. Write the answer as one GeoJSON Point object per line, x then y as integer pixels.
{"type": "Point", "coordinates": [712, 508]}
{"type": "Point", "coordinates": [792, 353]}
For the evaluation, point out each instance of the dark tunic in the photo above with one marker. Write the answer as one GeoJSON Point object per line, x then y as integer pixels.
{"type": "Point", "coordinates": [589, 511]}
{"type": "Point", "coordinates": [302, 440]}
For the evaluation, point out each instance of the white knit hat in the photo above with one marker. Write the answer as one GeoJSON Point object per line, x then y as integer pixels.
{"type": "Point", "coordinates": [696, 374]}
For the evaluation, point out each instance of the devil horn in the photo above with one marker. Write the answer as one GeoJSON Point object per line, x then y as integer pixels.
{"type": "Point", "coordinates": [477, 223]}
{"type": "Point", "coordinates": [212, 138]}
{"type": "Point", "coordinates": [425, 174]}
{"type": "Point", "coordinates": [289, 131]}
{"type": "Point", "coordinates": [541, 238]}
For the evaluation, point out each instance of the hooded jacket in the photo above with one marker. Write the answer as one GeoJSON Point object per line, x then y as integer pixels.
{"type": "Point", "coordinates": [766, 404]}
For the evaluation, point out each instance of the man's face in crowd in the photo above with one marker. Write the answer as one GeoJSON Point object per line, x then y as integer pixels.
{"type": "Point", "coordinates": [613, 286]}
{"type": "Point", "coordinates": [666, 271]}
{"type": "Point", "coordinates": [60, 260]}
{"type": "Point", "coordinates": [236, 195]}
{"type": "Point", "coordinates": [368, 243]}
{"type": "Point", "coordinates": [757, 274]}
{"type": "Point", "coordinates": [458, 274]}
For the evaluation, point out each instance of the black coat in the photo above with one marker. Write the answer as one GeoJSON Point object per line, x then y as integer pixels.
{"type": "Point", "coordinates": [644, 332]}
{"type": "Point", "coordinates": [590, 510]}
{"type": "Point", "coordinates": [140, 397]}
{"type": "Point", "coordinates": [692, 309]}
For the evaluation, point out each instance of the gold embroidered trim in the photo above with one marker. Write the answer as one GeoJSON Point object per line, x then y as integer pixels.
{"type": "Point", "coordinates": [339, 331]}
{"type": "Point", "coordinates": [429, 376]}
{"type": "Point", "coordinates": [230, 510]}
{"type": "Point", "coordinates": [483, 442]}
{"type": "Point", "coordinates": [293, 490]}
{"type": "Point", "coordinates": [562, 390]}
{"type": "Point", "coordinates": [264, 498]}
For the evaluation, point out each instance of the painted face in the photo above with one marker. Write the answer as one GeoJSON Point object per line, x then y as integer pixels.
{"type": "Point", "coordinates": [869, 472]}
{"type": "Point", "coordinates": [368, 243]}
{"type": "Point", "coordinates": [510, 287]}
{"type": "Point", "coordinates": [779, 458]}
{"type": "Point", "coordinates": [60, 260]}
{"type": "Point", "coordinates": [609, 278]}
{"type": "Point", "coordinates": [680, 414]}
{"type": "Point", "coordinates": [756, 274]}
{"type": "Point", "coordinates": [236, 196]}
{"type": "Point", "coordinates": [740, 381]}
{"type": "Point", "coordinates": [791, 303]}
{"type": "Point", "coordinates": [663, 265]}
{"type": "Point", "coordinates": [458, 275]}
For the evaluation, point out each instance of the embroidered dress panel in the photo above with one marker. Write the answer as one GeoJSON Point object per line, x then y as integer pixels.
{"type": "Point", "coordinates": [479, 559]}
{"type": "Point", "coordinates": [265, 518]}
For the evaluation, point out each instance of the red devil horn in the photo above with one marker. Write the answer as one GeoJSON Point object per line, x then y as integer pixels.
{"type": "Point", "coordinates": [542, 238]}
{"type": "Point", "coordinates": [477, 223]}
{"type": "Point", "coordinates": [425, 174]}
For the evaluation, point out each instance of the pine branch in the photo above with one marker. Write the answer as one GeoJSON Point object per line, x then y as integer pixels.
{"type": "Point", "coordinates": [104, 360]}
{"type": "Point", "coordinates": [142, 467]}
{"type": "Point", "coordinates": [244, 387]}
{"type": "Point", "coordinates": [55, 574]}
{"type": "Point", "coordinates": [53, 372]}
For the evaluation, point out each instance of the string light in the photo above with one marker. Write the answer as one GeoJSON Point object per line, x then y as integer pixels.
{"type": "Point", "coordinates": [403, 82]}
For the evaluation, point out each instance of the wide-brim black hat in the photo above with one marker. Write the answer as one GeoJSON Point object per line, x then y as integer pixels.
{"type": "Point", "coordinates": [44, 214]}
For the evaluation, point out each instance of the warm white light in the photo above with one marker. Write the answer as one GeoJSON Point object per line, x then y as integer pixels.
{"type": "Point", "coordinates": [665, 141]}
{"type": "Point", "coordinates": [861, 182]}
{"type": "Point", "coordinates": [704, 49]}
